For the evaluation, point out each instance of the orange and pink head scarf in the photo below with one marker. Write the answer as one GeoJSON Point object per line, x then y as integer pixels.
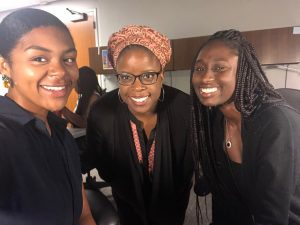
{"type": "Point", "coordinates": [140, 35]}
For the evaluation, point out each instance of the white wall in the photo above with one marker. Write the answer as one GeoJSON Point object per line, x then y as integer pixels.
{"type": "Point", "coordinates": [188, 18]}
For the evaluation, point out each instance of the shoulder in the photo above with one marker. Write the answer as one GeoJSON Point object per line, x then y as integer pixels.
{"type": "Point", "coordinates": [175, 98]}
{"type": "Point", "coordinates": [9, 127]}
{"type": "Point", "coordinates": [104, 109]}
{"type": "Point", "coordinates": [176, 104]}
{"type": "Point", "coordinates": [106, 103]}
{"type": "Point", "coordinates": [276, 119]}
{"type": "Point", "coordinates": [277, 114]}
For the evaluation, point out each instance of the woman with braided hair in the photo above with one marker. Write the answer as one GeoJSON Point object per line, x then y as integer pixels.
{"type": "Point", "coordinates": [246, 137]}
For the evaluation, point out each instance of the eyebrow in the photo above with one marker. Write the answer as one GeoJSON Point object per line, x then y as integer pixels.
{"type": "Point", "coordinates": [36, 47]}
{"type": "Point", "coordinates": [215, 60]}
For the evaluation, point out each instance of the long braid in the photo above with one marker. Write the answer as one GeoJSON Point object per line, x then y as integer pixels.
{"type": "Point", "coordinates": [252, 90]}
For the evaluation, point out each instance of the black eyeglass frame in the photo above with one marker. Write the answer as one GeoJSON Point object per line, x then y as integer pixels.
{"type": "Point", "coordinates": [139, 77]}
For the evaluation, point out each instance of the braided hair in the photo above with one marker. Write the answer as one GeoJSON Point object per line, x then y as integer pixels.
{"type": "Point", "coordinates": [252, 90]}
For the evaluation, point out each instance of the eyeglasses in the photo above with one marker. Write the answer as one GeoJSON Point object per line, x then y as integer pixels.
{"type": "Point", "coordinates": [145, 78]}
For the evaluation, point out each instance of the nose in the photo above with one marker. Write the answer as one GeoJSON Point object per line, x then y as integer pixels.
{"type": "Point", "coordinates": [208, 75]}
{"type": "Point", "coordinates": [57, 69]}
{"type": "Point", "coordinates": [138, 84]}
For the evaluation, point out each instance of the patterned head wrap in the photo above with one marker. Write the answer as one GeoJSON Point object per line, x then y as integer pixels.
{"type": "Point", "coordinates": [139, 35]}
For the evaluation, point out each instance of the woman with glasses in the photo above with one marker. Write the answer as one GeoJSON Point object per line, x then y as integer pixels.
{"type": "Point", "coordinates": [138, 133]}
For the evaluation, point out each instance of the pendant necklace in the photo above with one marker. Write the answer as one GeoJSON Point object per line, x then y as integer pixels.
{"type": "Point", "coordinates": [228, 143]}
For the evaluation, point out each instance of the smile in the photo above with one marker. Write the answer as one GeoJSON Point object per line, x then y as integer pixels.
{"type": "Point", "coordinates": [54, 88]}
{"type": "Point", "coordinates": [139, 100]}
{"type": "Point", "coordinates": [208, 90]}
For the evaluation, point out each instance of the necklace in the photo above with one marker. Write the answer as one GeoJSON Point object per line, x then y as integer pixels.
{"type": "Point", "coordinates": [228, 143]}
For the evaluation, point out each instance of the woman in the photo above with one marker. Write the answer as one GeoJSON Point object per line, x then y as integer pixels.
{"type": "Point", "coordinates": [138, 133]}
{"type": "Point", "coordinates": [40, 169]}
{"type": "Point", "coordinates": [89, 91]}
{"type": "Point", "coordinates": [246, 136]}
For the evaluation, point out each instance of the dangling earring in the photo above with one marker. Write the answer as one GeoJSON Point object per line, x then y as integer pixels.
{"type": "Point", "coordinates": [120, 99]}
{"type": "Point", "coordinates": [161, 99]}
{"type": "Point", "coordinates": [7, 82]}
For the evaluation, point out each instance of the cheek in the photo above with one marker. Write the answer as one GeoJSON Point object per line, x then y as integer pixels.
{"type": "Point", "coordinates": [123, 92]}
{"type": "Point", "coordinates": [195, 81]}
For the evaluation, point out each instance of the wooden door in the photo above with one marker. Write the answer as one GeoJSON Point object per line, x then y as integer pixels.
{"type": "Point", "coordinates": [84, 37]}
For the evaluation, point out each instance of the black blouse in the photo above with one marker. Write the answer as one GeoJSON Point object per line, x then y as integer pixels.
{"type": "Point", "coordinates": [112, 151]}
{"type": "Point", "coordinates": [40, 174]}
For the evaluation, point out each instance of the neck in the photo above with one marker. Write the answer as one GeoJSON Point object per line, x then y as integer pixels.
{"type": "Point", "coordinates": [232, 115]}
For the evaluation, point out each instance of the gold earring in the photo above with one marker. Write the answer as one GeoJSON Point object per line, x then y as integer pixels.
{"type": "Point", "coordinates": [6, 81]}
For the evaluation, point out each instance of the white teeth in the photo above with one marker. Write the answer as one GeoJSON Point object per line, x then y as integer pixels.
{"type": "Point", "coordinates": [54, 88]}
{"type": "Point", "coordinates": [208, 90]}
{"type": "Point", "coordinates": [139, 99]}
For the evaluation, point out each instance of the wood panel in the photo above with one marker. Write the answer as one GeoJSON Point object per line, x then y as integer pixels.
{"type": "Point", "coordinates": [185, 50]}
{"type": "Point", "coordinates": [96, 61]}
{"type": "Point", "coordinates": [273, 46]}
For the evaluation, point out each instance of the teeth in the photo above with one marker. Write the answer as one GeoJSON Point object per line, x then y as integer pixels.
{"type": "Point", "coordinates": [54, 88]}
{"type": "Point", "coordinates": [139, 99]}
{"type": "Point", "coordinates": [208, 90]}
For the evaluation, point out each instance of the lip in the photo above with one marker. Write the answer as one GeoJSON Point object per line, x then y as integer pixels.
{"type": "Point", "coordinates": [56, 91]}
{"type": "Point", "coordinates": [207, 91]}
{"type": "Point", "coordinates": [139, 100]}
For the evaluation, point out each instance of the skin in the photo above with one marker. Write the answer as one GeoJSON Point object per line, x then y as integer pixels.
{"type": "Point", "coordinates": [43, 69]}
{"type": "Point", "coordinates": [214, 81]}
{"type": "Point", "coordinates": [137, 61]}
{"type": "Point", "coordinates": [44, 59]}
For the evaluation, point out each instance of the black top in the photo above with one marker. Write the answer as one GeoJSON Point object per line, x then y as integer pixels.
{"type": "Point", "coordinates": [40, 174]}
{"type": "Point", "coordinates": [265, 188]}
{"type": "Point", "coordinates": [112, 152]}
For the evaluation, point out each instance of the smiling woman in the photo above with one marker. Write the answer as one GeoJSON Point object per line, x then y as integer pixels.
{"type": "Point", "coordinates": [41, 179]}
{"type": "Point", "coordinates": [138, 134]}
{"type": "Point", "coordinates": [245, 136]}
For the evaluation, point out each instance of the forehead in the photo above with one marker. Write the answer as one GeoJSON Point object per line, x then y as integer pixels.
{"type": "Point", "coordinates": [137, 57]}
{"type": "Point", "coordinates": [45, 36]}
{"type": "Point", "coordinates": [216, 50]}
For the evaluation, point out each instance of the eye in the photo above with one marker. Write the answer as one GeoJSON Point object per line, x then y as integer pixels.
{"type": "Point", "coordinates": [199, 69]}
{"type": "Point", "coordinates": [70, 60]}
{"type": "Point", "coordinates": [124, 76]}
{"type": "Point", "coordinates": [39, 59]}
{"type": "Point", "coordinates": [219, 68]}
{"type": "Point", "coordinates": [148, 76]}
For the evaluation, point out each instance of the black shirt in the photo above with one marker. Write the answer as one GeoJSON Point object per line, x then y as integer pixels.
{"type": "Point", "coordinates": [40, 174]}
{"type": "Point", "coordinates": [112, 151]}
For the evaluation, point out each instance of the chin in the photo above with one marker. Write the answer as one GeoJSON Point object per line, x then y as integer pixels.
{"type": "Point", "coordinates": [56, 107]}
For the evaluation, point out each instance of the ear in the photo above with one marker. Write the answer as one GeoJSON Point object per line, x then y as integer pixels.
{"type": "Point", "coordinates": [162, 76]}
{"type": "Point", "coordinates": [4, 67]}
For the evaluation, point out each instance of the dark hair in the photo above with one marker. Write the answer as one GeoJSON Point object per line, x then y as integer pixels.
{"type": "Point", "coordinates": [87, 85]}
{"type": "Point", "coordinates": [252, 90]}
{"type": "Point", "coordinates": [14, 26]}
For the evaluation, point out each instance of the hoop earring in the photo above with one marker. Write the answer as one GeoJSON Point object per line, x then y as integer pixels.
{"type": "Point", "coordinates": [7, 81]}
{"type": "Point", "coordinates": [120, 99]}
{"type": "Point", "coordinates": [163, 94]}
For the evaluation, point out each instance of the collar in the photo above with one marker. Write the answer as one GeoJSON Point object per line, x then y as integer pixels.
{"type": "Point", "coordinates": [11, 110]}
